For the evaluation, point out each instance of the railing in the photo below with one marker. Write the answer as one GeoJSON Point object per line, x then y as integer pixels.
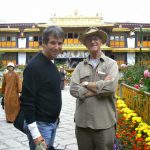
{"type": "Point", "coordinates": [136, 100]}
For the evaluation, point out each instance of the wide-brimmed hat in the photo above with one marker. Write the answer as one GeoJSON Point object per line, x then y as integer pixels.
{"type": "Point", "coordinates": [93, 31]}
{"type": "Point", "coordinates": [10, 64]}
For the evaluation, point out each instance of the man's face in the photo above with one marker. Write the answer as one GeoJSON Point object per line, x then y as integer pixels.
{"type": "Point", "coordinates": [93, 43]}
{"type": "Point", "coordinates": [10, 68]}
{"type": "Point", "coordinates": [53, 47]}
{"type": "Point", "coordinates": [61, 69]}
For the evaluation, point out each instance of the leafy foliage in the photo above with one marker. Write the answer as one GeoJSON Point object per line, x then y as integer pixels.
{"type": "Point", "coordinates": [134, 76]}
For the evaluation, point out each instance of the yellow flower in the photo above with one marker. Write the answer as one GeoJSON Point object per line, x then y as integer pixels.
{"type": "Point", "coordinates": [145, 130]}
{"type": "Point", "coordinates": [133, 114]}
{"type": "Point", "coordinates": [148, 143]}
{"type": "Point", "coordinates": [136, 129]}
{"type": "Point", "coordinates": [142, 128]}
{"type": "Point", "coordinates": [147, 139]}
{"type": "Point", "coordinates": [148, 133]}
{"type": "Point", "coordinates": [122, 105]}
{"type": "Point", "coordinates": [137, 119]}
{"type": "Point", "coordinates": [138, 135]}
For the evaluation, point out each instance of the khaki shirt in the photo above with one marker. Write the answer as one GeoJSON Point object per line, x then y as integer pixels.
{"type": "Point", "coordinates": [96, 112]}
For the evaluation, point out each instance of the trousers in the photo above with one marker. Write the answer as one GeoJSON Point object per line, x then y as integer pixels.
{"type": "Point", "coordinates": [90, 139]}
{"type": "Point", "coordinates": [47, 130]}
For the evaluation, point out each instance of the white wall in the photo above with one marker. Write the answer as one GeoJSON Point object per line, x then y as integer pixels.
{"type": "Point", "coordinates": [21, 42]}
{"type": "Point", "coordinates": [131, 58]}
{"type": "Point", "coordinates": [21, 58]}
{"type": "Point", "coordinates": [131, 42]}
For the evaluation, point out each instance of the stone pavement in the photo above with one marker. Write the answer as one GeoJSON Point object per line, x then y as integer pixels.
{"type": "Point", "coordinates": [13, 139]}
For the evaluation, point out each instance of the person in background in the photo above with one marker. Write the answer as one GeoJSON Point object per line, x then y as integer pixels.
{"type": "Point", "coordinates": [62, 76]}
{"type": "Point", "coordinates": [41, 99]}
{"type": "Point", "coordinates": [93, 83]}
{"type": "Point", "coordinates": [11, 87]}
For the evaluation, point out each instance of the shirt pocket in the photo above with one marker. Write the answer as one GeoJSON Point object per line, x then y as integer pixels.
{"type": "Point", "coordinates": [101, 75]}
{"type": "Point", "coordinates": [84, 76]}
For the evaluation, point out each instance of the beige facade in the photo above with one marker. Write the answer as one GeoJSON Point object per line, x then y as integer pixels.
{"type": "Point", "coordinates": [19, 42]}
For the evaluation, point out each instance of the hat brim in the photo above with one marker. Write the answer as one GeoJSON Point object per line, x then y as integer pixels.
{"type": "Point", "coordinates": [101, 34]}
{"type": "Point", "coordinates": [10, 66]}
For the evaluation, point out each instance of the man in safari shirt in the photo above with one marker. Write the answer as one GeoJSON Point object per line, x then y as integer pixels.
{"type": "Point", "coordinates": [93, 83]}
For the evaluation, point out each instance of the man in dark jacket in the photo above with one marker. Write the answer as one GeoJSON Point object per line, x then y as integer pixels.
{"type": "Point", "coordinates": [41, 94]}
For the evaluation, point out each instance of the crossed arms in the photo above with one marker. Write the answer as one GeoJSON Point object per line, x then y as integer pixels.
{"type": "Point", "coordinates": [103, 87]}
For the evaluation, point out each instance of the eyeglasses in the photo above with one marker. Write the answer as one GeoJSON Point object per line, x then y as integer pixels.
{"type": "Point", "coordinates": [92, 38]}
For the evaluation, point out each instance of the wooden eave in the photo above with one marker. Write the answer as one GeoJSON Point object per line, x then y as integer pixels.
{"type": "Point", "coordinates": [65, 48]}
{"type": "Point", "coordinates": [142, 29]}
{"type": "Point", "coordinates": [20, 49]}
{"type": "Point", "coordinates": [120, 30]}
{"type": "Point", "coordinates": [82, 48]}
{"type": "Point", "coordinates": [9, 30]}
{"type": "Point", "coordinates": [76, 48]}
{"type": "Point", "coordinates": [31, 30]}
{"type": "Point", "coordinates": [130, 50]}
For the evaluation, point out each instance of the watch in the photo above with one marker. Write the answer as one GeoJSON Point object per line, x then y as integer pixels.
{"type": "Point", "coordinates": [86, 83]}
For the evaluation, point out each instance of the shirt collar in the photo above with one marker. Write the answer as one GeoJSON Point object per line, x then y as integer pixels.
{"type": "Point", "coordinates": [102, 58]}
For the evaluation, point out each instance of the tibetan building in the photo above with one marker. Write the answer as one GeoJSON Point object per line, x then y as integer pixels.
{"type": "Point", "coordinates": [126, 41]}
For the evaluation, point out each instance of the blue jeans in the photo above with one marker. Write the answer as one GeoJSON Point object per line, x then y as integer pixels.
{"type": "Point", "coordinates": [47, 130]}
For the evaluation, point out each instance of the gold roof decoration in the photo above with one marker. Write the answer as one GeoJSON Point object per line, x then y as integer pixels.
{"type": "Point", "coordinates": [76, 21]}
{"type": "Point", "coordinates": [13, 30]}
{"type": "Point", "coordinates": [120, 30]}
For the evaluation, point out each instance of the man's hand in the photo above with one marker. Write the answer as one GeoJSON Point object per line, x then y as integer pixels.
{"type": "Point", "coordinates": [90, 86]}
{"type": "Point", "coordinates": [83, 84]}
{"type": "Point", "coordinates": [39, 139]}
{"type": "Point", "coordinates": [19, 95]}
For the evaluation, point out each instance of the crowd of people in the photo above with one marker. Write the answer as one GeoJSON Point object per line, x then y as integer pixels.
{"type": "Point", "coordinates": [93, 84]}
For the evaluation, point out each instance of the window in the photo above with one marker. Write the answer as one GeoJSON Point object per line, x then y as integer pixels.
{"type": "Point", "coordinates": [40, 40]}
{"type": "Point", "coordinates": [70, 35]}
{"type": "Point", "coordinates": [116, 38]}
{"type": "Point", "coordinates": [8, 38]}
{"type": "Point", "coordinates": [33, 38]}
{"type": "Point", "coordinates": [7, 57]}
{"type": "Point", "coordinates": [121, 38]}
{"type": "Point", "coordinates": [13, 38]}
{"type": "Point", "coordinates": [71, 38]}
{"type": "Point", "coordinates": [145, 40]}
{"type": "Point", "coordinates": [3, 39]}
{"type": "Point", "coordinates": [117, 41]}
{"type": "Point", "coordinates": [111, 38]}
{"type": "Point", "coordinates": [75, 35]}
{"type": "Point", "coordinates": [30, 38]}
{"type": "Point", "coordinates": [36, 38]}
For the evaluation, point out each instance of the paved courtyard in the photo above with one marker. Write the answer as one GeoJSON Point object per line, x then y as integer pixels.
{"type": "Point", "coordinates": [12, 139]}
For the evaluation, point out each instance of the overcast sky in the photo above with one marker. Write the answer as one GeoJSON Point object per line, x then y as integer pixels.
{"type": "Point", "coordinates": [39, 11]}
